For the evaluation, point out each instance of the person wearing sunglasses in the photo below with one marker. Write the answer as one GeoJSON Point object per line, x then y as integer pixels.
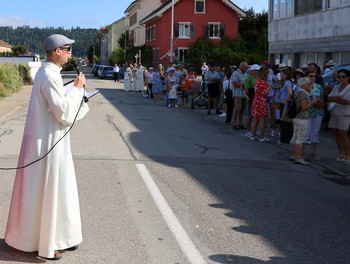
{"type": "Point", "coordinates": [44, 211]}
{"type": "Point", "coordinates": [316, 113]}
{"type": "Point", "coordinates": [340, 115]}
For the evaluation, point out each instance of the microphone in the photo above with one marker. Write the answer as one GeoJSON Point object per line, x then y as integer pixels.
{"type": "Point", "coordinates": [75, 66]}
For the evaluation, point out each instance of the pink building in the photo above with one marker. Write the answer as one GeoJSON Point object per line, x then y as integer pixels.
{"type": "Point", "coordinates": [192, 19]}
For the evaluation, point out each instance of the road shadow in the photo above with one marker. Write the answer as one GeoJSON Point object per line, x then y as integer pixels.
{"type": "Point", "coordinates": [9, 254]}
{"type": "Point", "coordinates": [305, 219]}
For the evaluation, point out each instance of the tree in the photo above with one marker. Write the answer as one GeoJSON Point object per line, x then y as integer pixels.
{"type": "Point", "coordinates": [19, 50]}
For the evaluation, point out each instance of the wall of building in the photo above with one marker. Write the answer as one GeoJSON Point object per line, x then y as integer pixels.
{"type": "Point", "coordinates": [115, 31]}
{"type": "Point", "coordinates": [216, 11]}
{"type": "Point", "coordinates": [315, 37]}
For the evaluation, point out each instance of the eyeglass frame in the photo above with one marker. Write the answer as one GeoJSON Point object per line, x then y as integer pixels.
{"type": "Point", "coordinates": [68, 49]}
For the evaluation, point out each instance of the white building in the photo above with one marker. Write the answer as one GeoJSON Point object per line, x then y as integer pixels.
{"type": "Point", "coordinates": [304, 31]}
{"type": "Point", "coordinates": [135, 12]}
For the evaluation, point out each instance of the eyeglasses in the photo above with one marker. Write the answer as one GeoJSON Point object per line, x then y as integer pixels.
{"type": "Point", "coordinates": [68, 49]}
{"type": "Point", "coordinates": [312, 76]}
{"type": "Point", "coordinates": [342, 76]}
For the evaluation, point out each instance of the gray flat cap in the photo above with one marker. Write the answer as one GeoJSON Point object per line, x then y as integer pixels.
{"type": "Point", "coordinates": [56, 40]}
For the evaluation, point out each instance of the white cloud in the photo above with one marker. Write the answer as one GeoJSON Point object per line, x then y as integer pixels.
{"type": "Point", "coordinates": [16, 21]}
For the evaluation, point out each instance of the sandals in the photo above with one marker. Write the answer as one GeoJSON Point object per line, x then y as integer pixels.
{"type": "Point", "coordinates": [236, 128]}
{"type": "Point", "coordinates": [57, 256]}
{"type": "Point", "coordinates": [314, 156]}
{"type": "Point", "coordinates": [340, 158]}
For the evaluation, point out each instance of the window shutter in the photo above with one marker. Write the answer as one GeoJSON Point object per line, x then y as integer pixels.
{"type": "Point", "coordinates": [176, 54]}
{"type": "Point", "coordinates": [176, 30]}
{"type": "Point", "coordinates": [222, 30]}
{"type": "Point", "coordinates": [206, 30]}
{"type": "Point", "coordinates": [192, 31]}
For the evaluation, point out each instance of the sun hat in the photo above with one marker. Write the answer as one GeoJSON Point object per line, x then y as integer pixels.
{"type": "Point", "coordinates": [330, 63]}
{"type": "Point", "coordinates": [254, 67]}
{"type": "Point", "coordinates": [56, 40]}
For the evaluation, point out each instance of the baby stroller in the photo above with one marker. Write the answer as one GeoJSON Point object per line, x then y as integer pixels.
{"type": "Point", "coordinates": [200, 96]}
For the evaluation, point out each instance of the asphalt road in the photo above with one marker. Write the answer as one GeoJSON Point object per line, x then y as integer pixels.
{"type": "Point", "coordinates": [170, 185]}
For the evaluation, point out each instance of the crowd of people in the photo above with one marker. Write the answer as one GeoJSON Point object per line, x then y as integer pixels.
{"type": "Point", "coordinates": [258, 92]}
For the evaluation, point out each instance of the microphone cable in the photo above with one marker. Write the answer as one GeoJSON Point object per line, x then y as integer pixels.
{"type": "Point", "coordinates": [84, 99]}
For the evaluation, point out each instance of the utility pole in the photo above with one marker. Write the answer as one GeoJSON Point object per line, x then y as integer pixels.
{"type": "Point", "coordinates": [172, 33]}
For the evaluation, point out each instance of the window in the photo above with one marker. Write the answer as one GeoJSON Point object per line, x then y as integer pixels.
{"type": "Point", "coordinates": [337, 3]}
{"type": "Point", "coordinates": [181, 54]}
{"type": "Point", "coordinates": [214, 30]}
{"type": "Point", "coordinates": [184, 30]}
{"type": "Point", "coordinates": [282, 9]}
{"type": "Point", "coordinates": [133, 19]}
{"type": "Point", "coordinates": [199, 6]}
{"type": "Point", "coordinates": [154, 32]}
{"type": "Point", "coordinates": [307, 6]}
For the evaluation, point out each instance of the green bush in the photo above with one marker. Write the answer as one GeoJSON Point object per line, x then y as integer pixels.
{"type": "Point", "coordinates": [3, 91]}
{"type": "Point", "coordinates": [9, 77]}
{"type": "Point", "coordinates": [24, 73]}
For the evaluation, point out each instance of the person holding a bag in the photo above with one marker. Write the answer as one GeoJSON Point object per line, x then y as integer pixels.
{"type": "Point", "coordinates": [316, 114]}
{"type": "Point", "coordinates": [340, 114]}
{"type": "Point", "coordinates": [300, 122]}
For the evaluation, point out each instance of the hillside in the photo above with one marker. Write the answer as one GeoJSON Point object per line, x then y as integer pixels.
{"type": "Point", "coordinates": [33, 38]}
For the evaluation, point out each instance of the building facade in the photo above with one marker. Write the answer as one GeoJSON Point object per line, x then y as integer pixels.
{"type": "Point", "coordinates": [186, 21]}
{"type": "Point", "coordinates": [304, 31]}
{"type": "Point", "coordinates": [135, 12]}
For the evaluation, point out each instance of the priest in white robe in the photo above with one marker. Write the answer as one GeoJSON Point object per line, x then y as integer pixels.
{"type": "Point", "coordinates": [139, 78]}
{"type": "Point", "coordinates": [44, 212]}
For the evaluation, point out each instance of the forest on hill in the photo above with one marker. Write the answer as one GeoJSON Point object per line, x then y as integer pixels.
{"type": "Point", "coordinates": [33, 38]}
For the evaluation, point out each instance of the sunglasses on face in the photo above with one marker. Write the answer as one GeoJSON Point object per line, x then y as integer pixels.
{"type": "Point", "coordinates": [312, 76]}
{"type": "Point", "coordinates": [66, 48]}
{"type": "Point", "coordinates": [342, 76]}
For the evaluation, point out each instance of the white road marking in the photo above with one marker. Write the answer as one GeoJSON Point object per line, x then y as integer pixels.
{"type": "Point", "coordinates": [182, 238]}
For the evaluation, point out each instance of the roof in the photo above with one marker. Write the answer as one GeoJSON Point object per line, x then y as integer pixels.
{"type": "Point", "coordinates": [167, 4]}
{"type": "Point", "coordinates": [127, 10]}
{"type": "Point", "coordinates": [5, 44]}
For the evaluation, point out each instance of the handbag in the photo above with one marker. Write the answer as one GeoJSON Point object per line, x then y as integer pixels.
{"type": "Point", "coordinates": [228, 92]}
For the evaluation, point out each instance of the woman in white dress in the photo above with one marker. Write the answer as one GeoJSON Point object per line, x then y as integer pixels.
{"type": "Point", "coordinates": [127, 79]}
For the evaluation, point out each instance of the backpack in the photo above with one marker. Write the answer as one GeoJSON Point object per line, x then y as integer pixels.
{"type": "Point", "coordinates": [292, 110]}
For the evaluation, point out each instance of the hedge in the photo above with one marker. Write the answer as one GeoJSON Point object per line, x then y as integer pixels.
{"type": "Point", "coordinates": [13, 77]}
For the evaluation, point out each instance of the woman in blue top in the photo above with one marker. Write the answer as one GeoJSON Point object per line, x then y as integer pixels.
{"type": "Point", "coordinates": [284, 96]}
{"type": "Point", "coordinates": [315, 115]}
{"type": "Point", "coordinates": [157, 86]}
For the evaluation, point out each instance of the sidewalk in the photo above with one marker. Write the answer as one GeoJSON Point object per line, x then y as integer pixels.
{"type": "Point", "coordinates": [327, 148]}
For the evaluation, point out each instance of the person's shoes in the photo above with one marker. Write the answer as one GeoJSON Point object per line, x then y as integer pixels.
{"type": "Point", "coordinates": [57, 256]}
{"type": "Point", "coordinates": [169, 105]}
{"type": "Point", "coordinates": [252, 138]}
{"type": "Point", "coordinates": [223, 115]}
{"type": "Point", "coordinates": [264, 140]}
{"type": "Point", "coordinates": [236, 128]}
{"type": "Point", "coordinates": [218, 112]}
{"type": "Point", "coordinates": [176, 106]}
{"type": "Point", "coordinates": [72, 248]}
{"type": "Point", "coordinates": [272, 133]}
{"type": "Point", "coordinates": [281, 143]}
{"type": "Point", "coordinates": [242, 127]}
{"type": "Point", "coordinates": [301, 162]}
{"type": "Point", "coordinates": [209, 113]}
{"type": "Point", "coordinates": [291, 158]}
{"type": "Point", "coordinates": [314, 156]}
{"type": "Point", "coordinates": [248, 134]}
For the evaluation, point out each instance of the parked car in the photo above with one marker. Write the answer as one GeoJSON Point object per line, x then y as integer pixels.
{"type": "Point", "coordinates": [329, 75]}
{"type": "Point", "coordinates": [106, 72]}
{"type": "Point", "coordinates": [99, 70]}
{"type": "Point", "coordinates": [94, 68]}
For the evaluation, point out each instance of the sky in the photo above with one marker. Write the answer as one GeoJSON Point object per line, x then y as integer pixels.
{"type": "Point", "coordinates": [83, 14]}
